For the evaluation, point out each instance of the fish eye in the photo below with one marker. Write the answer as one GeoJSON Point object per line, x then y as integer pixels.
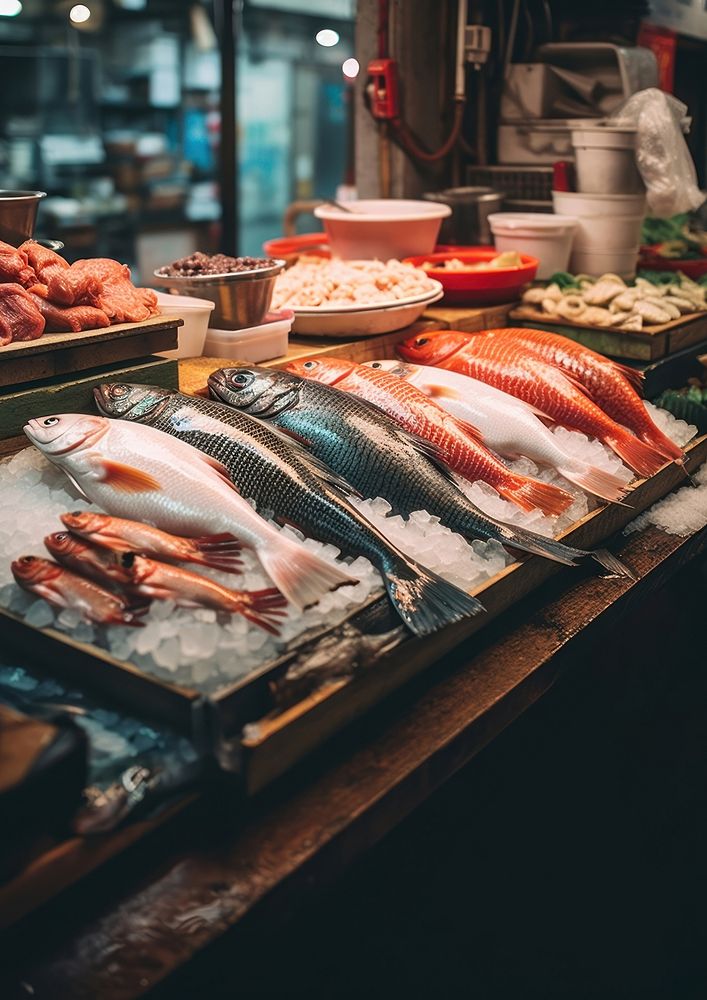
{"type": "Point", "coordinates": [61, 536]}
{"type": "Point", "coordinates": [119, 390]}
{"type": "Point", "coordinates": [376, 364]}
{"type": "Point", "coordinates": [27, 559]}
{"type": "Point", "coordinates": [50, 421]}
{"type": "Point", "coordinates": [309, 364]}
{"type": "Point", "coordinates": [421, 341]}
{"type": "Point", "coordinates": [76, 513]}
{"type": "Point", "coordinates": [239, 379]}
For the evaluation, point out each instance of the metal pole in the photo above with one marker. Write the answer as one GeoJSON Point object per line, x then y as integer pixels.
{"type": "Point", "coordinates": [226, 15]}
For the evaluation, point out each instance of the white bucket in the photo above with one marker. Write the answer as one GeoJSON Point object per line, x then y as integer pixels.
{"type": "Point", "coordinates": [255, 344]}
{"type": "Point", "coordinates": [603, 223]}
{"type": "Point", "coordinates": [195, 313]}
{"type": "Point", "coordinates": [598, 262]}
{"type": "Point", "coordinates": [542, 235]}
{"type": "Point", "coordinates": [605, 160]}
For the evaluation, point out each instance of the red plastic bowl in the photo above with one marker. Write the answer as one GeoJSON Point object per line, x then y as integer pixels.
{"type": "Point", "coordinates": [490, 287]}
{"type": "Point", "coordinates": [649, 260]}
{"type": "Point", "coordinates": [291, 247]}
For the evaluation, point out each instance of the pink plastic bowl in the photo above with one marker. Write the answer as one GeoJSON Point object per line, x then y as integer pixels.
{"type": "Point", "coordinates": [382, 228]}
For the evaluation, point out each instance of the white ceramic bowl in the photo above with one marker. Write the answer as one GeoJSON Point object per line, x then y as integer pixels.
{"type": "Point", "coordinates": [196, 314]}
{"type": "Point", "coordinates": [539, 234]}
{"type": "Point", "coordinates": [342, 323]}
{"type": "Point", "coordinates": [383, 228]}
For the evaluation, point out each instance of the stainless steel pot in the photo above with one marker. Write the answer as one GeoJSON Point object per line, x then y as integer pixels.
{"type": "Point", "coordinates": [18, 214]}
{"type": "Point", "coordinates": [242, 298]}
{"type": "Point", "coordinates": [471, 207]}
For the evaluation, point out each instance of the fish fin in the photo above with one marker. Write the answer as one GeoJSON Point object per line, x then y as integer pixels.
{"type": "Point", "coordinates": [634, 377]}
{"type": "Point", "coordinates": [655, 438]}
{"type": "Point", "coordinates": [330, 476]}
{"type": "Point", "coordinates": [302, 576]}
{"type": "Point", "coordinates": [426, 602]}
{"type": "Point", "coordinates": [435, 391]}
{"type": "Point", "coordinates": [515, 537]}
{"type": "Point", "coordinates": [76, 485]}
{"type": "Point", "coordinates": [219, 552]}
{"type": "Point", "coordinates": [596, 481]}
{"type": "Point", "coordinates": [613, 565]}
{"type": "Point", "coordinates": [264, 608]}
{"type": "Point", "coordinates": [640, 457]}
{"type": "Point", "coordinates": [224, 541]}
{"type": "Point", "coordinates": [472, 432]}
{"type": "Point", "coordinates": [532, 494]}
{"type": "Point", "coordinates": [294, 436]}
{"type": "Point", "coordinates": [128, 479]}
{"type": "Point", "coordinates": [219, 468]}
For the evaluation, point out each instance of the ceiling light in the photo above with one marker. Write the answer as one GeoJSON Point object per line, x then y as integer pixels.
{"type": "Point", "coordinates": [79, 13]}
{"type": "Point", "coordinates": [350, 68]}
{"type": "Point", "coordinates": [10, 8]}
{"type": "Point", "coordinates": [327, 37]}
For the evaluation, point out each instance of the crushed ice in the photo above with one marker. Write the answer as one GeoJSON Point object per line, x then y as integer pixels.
{"type": "Point", "coordinates": [207, 650]}
{"type": "Point", "coordinates": [681, 513]}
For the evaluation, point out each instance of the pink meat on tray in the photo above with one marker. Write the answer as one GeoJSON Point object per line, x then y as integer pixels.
{"type": "Point", "coordinates": [14, 266]}
{"type": "Point", "coordinates": [118, 297]}
{"type": "Point", "coordinates": [40, 258]}
{"type": "Point", "coordinates": [20, 317]}
{"type": "Point", "coordinates": [72, 319]}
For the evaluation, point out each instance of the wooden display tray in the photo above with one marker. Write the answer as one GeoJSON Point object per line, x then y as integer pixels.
{"type": "Point", "coordinates": [277, 740]}
{"type": "Point", "coordinates": [642, 345]}
{"type": "Point", "coordinates": [66, 353]}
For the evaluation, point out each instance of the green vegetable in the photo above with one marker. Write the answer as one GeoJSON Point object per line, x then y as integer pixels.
{"type": "Point", "coordinates": [660, 230]}
{"type": "Point", "coordinates": [661, 277]}
{"type": "Point", "coordinates": [683, 408]}
{"type": "Point", "coordinates": [564, 280]}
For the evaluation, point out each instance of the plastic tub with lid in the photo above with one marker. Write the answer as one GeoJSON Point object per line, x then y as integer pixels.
{"type": "Point", "coordinates": [259, 343]}
{"type": "Point", "coordinates": [537, 234]}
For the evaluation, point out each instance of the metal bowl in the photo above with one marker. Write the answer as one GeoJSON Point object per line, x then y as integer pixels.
{"type": "Point", "coordinates": [18, 214]}
{"type": "Point", "coordinates": [241, 299]}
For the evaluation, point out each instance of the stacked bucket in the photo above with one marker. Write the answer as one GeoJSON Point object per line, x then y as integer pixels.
{"type": "Point", "coordinates": [609, 203]}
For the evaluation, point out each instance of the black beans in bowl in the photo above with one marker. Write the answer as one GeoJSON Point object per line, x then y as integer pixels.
{"type": "Point", "coordinates": [198, 264]}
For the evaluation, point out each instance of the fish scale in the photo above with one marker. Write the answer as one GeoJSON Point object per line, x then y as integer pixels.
{"type": "Point", "coordinates": [281, 477]}
{"type": "Point", "coordinates": [375, 454]}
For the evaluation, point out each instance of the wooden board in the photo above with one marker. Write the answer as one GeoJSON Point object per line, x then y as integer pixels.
{"type": "Point", "coordinates": [469, 318]}
{"type": "Point", "coordinates": [74, 395]}
{"type": "Point", "coordinates": [643, 345]}
{"type": "Point", "coordinates": [67, 353]}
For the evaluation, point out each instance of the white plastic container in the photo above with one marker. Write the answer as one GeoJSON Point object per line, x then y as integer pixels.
{"type": "Point", "coordinates": [597, 262]}
{"type": "Point", "coordinates": [605, 160]}
{"type": "Point", "coordinates": [195, 313]}
{"type": "Point", "coordinates": [542, 235]}
{"type": "Point", "coordinates": [585, 206]}
{"type": "Point", "coordinates": [610, 230]}
{"type": "Point", "coordinates": [256, 344]}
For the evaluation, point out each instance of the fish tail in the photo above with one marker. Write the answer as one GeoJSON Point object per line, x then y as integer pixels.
{"type": "Point", "coordinates": [641, 457]}
{"type": "Point", "coordinates": [613, 564]}
{"type": "Point", "coordinates": [425, 601]}
{"type": "Point", "coordinates": [531, 494]}
{"type": "Point", "coordinates": [550, 548]}
{"type": "Point", "coordinates": [218, 551]}
{"type": "Point", "coordinates": [596, 481]}
{"type": "Point", "coordinates": [300, 575]}
{"type": "Point", "coordinates": [655, 438]}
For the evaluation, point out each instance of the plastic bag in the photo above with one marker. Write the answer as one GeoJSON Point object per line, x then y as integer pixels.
{"type": "Point", "coordinates": [662, 156]}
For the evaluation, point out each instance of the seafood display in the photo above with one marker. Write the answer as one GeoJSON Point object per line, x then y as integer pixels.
{"type": "Point", "coordinates": [557, 394]}
{"type": "Point", "coordinates": [507, 425]}
{"type": "Point", "coordinates": [608, 301]}
{"type": "Point", "coordinates": [134, 471]}
{"type": "Point", "coordinates": [455, 442]}
{"type": "Point", "coordinates": [283, 477]}
{"type": "Point", "coordinates": [317, 281]}
{"type": "Point", "coordinates": [375, 453]}
{"type": "Point", "coordinates": [42, 292]}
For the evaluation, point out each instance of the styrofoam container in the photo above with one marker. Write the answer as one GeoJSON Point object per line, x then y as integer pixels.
{"type": "Point", "coordinates": [382, 228]}
{"type": "Point", "coordinates": [585, 206]}
{"type": "Point", "coordinates": [543, 235]}
{"type": "Point", "coordinates": [195, 313]}
{"type": "Point", "coordinates": [597, 262]}
{"type": "Point", "coordinates": [610, 231]}
{"type": "Point", "coordinates": [256, 344]}
{"type": "Point", "coordinates": [605, 160]}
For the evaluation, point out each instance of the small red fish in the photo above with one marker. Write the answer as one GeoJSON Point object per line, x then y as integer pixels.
{"type": "Point", "coordinates": [217, 551]}
{"type": "Point", "coordinates": [611, 385]}
{"type": "Point", "coordinates": [63, 589]}
{"type": "Point", "coordinates": [160, 581]}
{"type": "Point", "coordinates": [102, 565]}
{"type": "Point", "coordinates": [499, 362]}
{"type": "Point", "coordinates": [458, 444]}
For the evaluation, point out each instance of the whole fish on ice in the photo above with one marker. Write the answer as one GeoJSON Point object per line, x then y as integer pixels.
{"type": "Point", "coordinates": [140, 473]}
{"type": "Point", "coordinates": [376, 455]}
{"type": "Point", "coordinates": [507, 425]}
{"type": "Point", "coordinates": [508, 366]}
{"type": "Point", "coordinates": [281, 476]}
{"type": "Point", "coordinates": [64, 589]}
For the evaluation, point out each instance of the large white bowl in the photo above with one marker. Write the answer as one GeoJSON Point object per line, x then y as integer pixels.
{"type": "Point", "coordinates": [435, 288]}
{"type": "Point", "coordinates": [343, 323]}
{"type": "Point", "coordinates": [383, 228]}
